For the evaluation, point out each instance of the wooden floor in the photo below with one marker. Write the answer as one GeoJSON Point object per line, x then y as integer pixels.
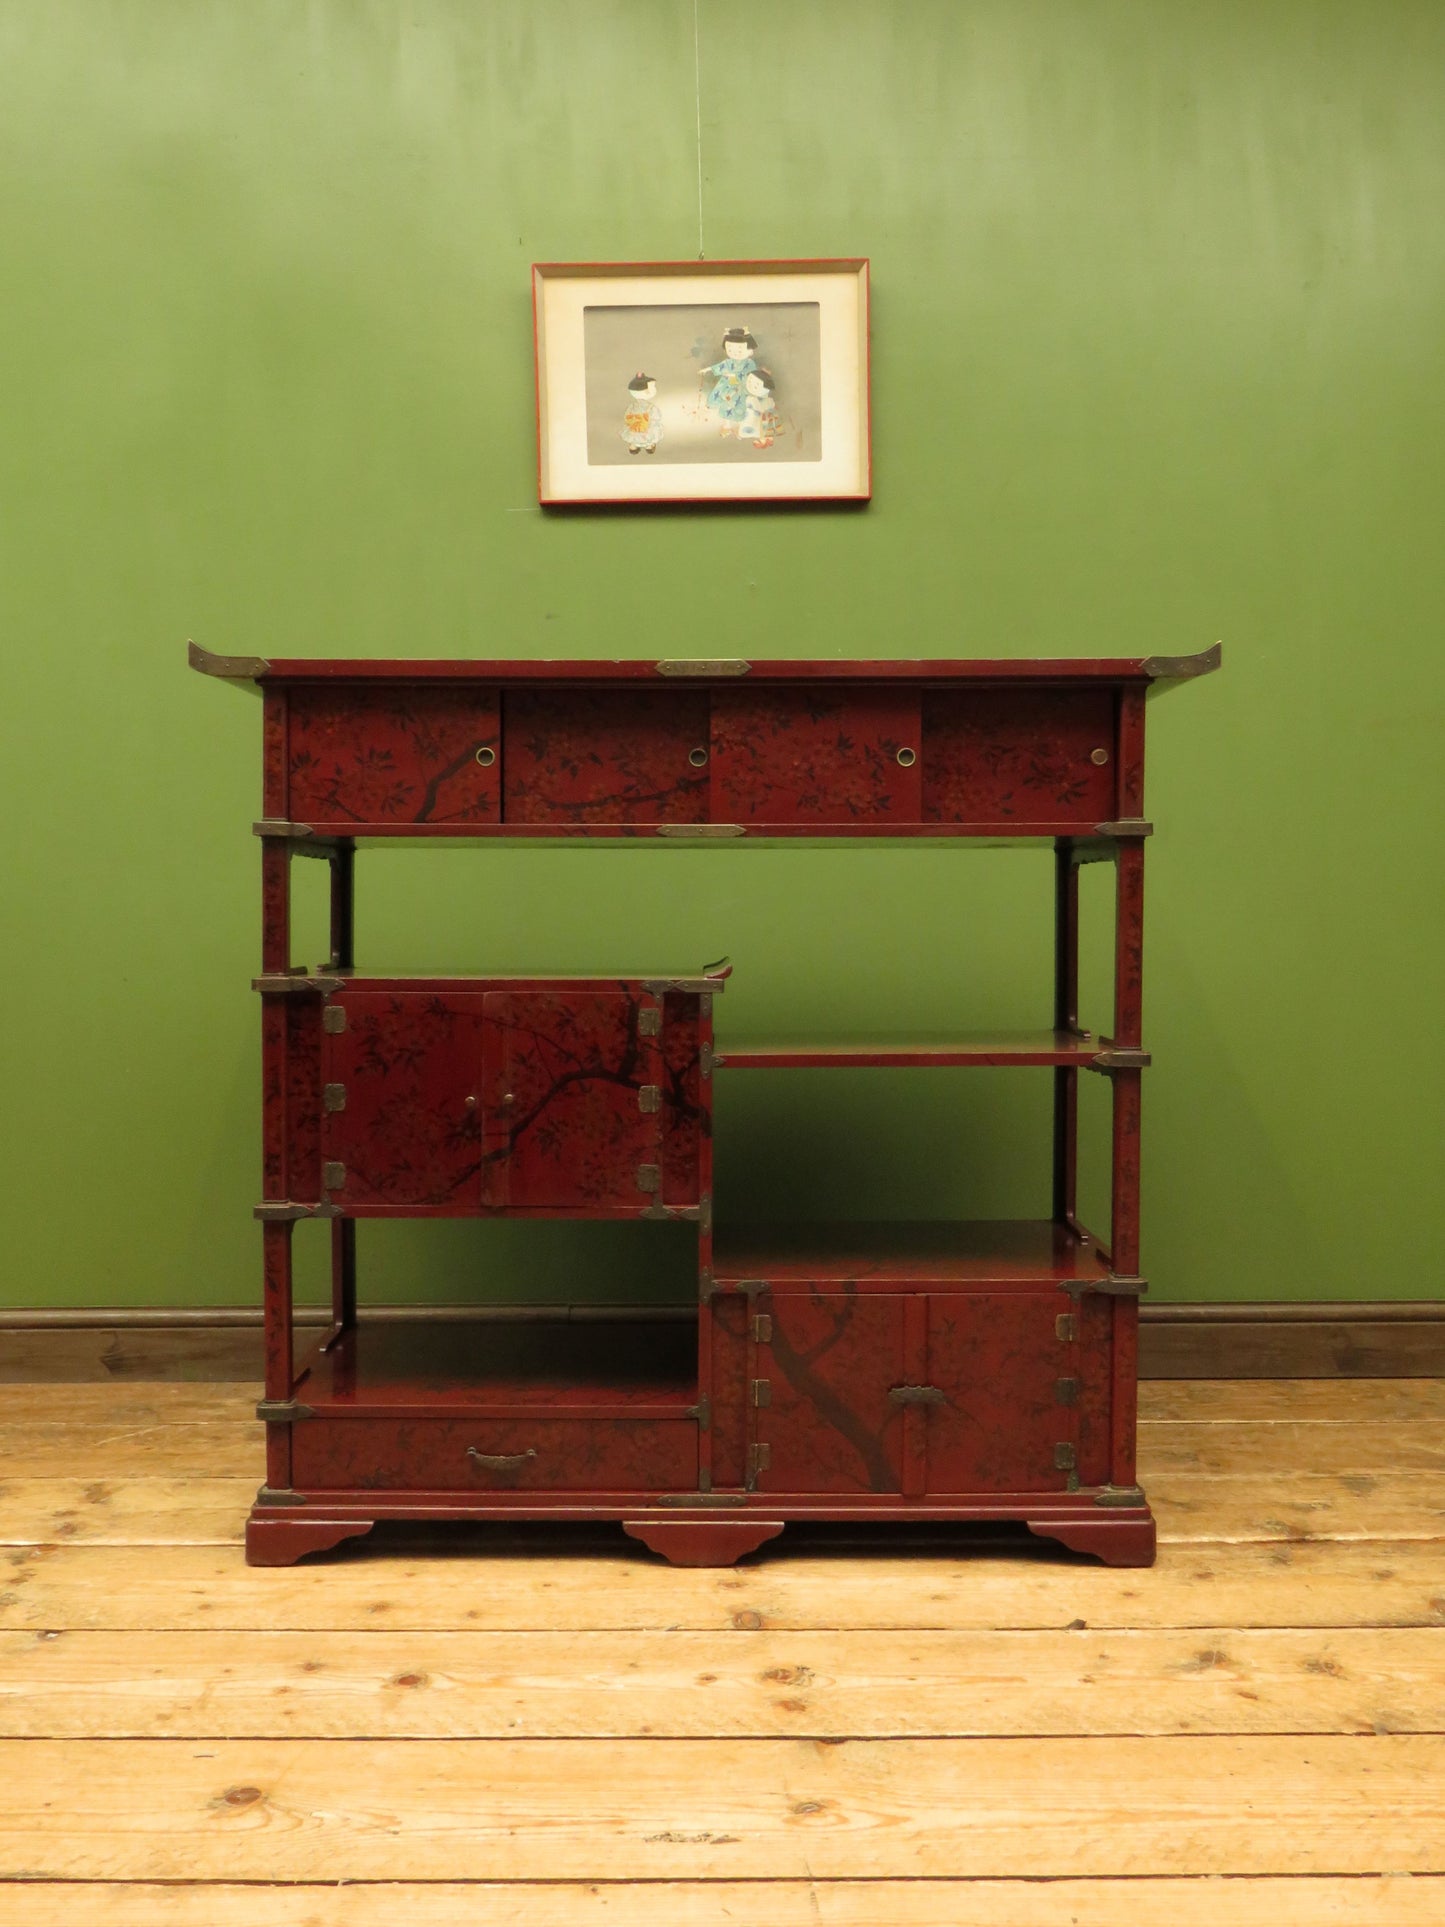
{"type": "Point", "coordinates": [551, 1731]}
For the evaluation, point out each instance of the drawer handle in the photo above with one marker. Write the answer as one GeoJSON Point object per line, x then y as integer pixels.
{"type": "Point", "coordinates": [907, 757]}
{"type": "Point", "coordinates": [917, 1395]}
{"type": "Point", "coordinates": [486, 756]}
{"type": "Point", "coordinates": [501, 1461]}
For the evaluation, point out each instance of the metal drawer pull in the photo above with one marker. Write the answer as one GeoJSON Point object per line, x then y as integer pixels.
{"type": "Point", "coordinates": [501, 1461]}
{"type": "Point", "coordinates": [907, 757]}
{"type": "Point", "coordinates": [486, 756]}
{"type": "Point", "coordinates": [917, 1395]}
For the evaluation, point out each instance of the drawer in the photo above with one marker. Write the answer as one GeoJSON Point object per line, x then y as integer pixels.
{"type": "Point", "coordinates": [817, 754]}
{"type": "Point", "coordinates": [495, 1454]}
{"type": "Point", "coordinates": [606, 756]}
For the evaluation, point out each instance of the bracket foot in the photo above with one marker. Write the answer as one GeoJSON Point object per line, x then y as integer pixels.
{"type": "Point", "coordinates": [1120, 1539]}
{"type": "Point", "coordinates": [281, 1542]}
{"type": "Point", "coordinates": [703, 1542]}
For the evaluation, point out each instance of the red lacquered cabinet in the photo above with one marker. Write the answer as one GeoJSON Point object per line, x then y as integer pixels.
{"type": "Point", "coordinates": [844, 1371]}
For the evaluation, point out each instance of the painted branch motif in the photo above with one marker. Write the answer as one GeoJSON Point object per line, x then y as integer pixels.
{"type": "Point", "coordinates": [1018, 753]}
{"type": "Point", "coordinates": [831, 1425]}
{"type": "Point", "coordinates": [606, 756]}
{"type": "Point", "coordinates": [418, 754]}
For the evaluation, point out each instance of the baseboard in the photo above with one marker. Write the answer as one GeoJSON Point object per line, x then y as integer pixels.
{"type": "Point", "coordinates": [1321, 1340]}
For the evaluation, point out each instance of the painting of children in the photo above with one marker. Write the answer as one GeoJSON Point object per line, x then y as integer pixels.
{"type": "Point", "coordinates": [642, 420]}
{"type": "Point", "coordinates": [726, 399]}
{"type": "Point", "coordinates": [760, 412]}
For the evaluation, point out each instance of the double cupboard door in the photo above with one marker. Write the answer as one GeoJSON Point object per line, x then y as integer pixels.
{"type": "Point", "coordinates": [920, 1393]}
{"type": "Point", "coordinates": [481, 1097]}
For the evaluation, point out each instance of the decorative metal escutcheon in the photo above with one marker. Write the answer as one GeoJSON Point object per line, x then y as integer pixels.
{"type": "Point", "coordinates": [917, 1395]}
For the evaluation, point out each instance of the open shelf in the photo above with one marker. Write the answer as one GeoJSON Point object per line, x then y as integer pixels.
{"type": "Point", "coordinates": [638, 1364]}
{"type": "Point", "coordinates": [998, 1251]}
{"type": "Point", "coordinates": [980, 1049]}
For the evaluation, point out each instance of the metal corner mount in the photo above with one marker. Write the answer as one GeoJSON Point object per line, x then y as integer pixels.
{"type": "Point", "coordinates": [233, 668]}
{"type": "Point", "coordinates": [1125, 826]}
{"type": "Point", "coordinates": [294, 984]}
{"type": "Point", "coordinates": [1118, 1057]}
{"type": "Point", "coordinates": [1181, 668]}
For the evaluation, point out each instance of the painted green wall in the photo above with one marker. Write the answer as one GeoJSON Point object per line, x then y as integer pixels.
{"type": "Point", "coordinates": [1157, 321]}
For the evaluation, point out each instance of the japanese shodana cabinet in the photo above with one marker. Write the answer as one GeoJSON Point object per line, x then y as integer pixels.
{"type": "Point", "coordinates": [854, 1372]}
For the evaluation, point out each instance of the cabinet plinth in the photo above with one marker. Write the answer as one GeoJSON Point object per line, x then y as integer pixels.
{"type": "Point", "coordinates": [856, 1372]}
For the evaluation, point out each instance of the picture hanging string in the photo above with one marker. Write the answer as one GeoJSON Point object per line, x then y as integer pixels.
{"type": "Point", "coordinates": [697, 101]}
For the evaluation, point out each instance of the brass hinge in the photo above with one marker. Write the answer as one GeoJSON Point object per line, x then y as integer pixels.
{"type": "Point", "coordinates": [762, 1392]}
{"type": "Point", "coordinates": [649, 1177]}
{"type": "Point", "coordinates": [649, 1021]}
{"type": "Point", "coordinates": [762, 1329]}
{"type": "Point", "coordinates": [278, 1495]}
{"type": "Point", "coordinates": [296, 984]}
{"type": "Point", "coordinates": [1120, 1057]}
{"type": "Point", "coordinates": [701, 829]}
{"type": "Point", "coordinates": [1066, 1460]}
{"type": "Point", "coordinates": [1066, 1327]}
{"type": "Point", "coordinates": [1119, 1495]}
{"type": "Point", "coordinates": [333, 1096]}
{"type": "Point", "coordinates": [703, 666]}
{"type": "Point", "coordinates": [760, 1459]}
{"type": "Point", "coordinates": [1127, 828]}
{"type": "Point", "coordinates": [917, 1395]}
{"type": "Point", "coordinates": [282, 1211]}
{"type": "Point", "coordinates": [333, 1175]}
{"type": "Point", "coordinates": [649, 1098]}
{"type": "Point", "coordinates": [1113, 1285]}
{"type": "Point", "coordinates": [283, 1411]}
{"type": "Point", "coordinates": [702, 1412]}
{"type": "Point", "coordinates": [333, 1018]}
{"type": "Point", "coordinates": [1066, 1391]}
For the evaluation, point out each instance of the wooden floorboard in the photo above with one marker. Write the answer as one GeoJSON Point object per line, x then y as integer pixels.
{"type": "Point", "coordinates": [458, 1580]}
{"type": "Point", "coordinates": [545, 1726]}
{"type": "Point", "coordinates": [872, 1685]}
{"type": "Point", "coordinates": [1378, 1900]}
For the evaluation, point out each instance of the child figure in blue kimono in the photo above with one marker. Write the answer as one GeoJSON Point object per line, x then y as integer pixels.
{"type": "Point", "coordinates": [760, 410]}
{"type": "Point", "coordinates": [642, 422]}
{"type": "Point", "coordinates": [726, 398]}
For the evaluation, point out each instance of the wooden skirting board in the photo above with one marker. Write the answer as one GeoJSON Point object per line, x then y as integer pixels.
{"type": "Point", "coordinates": [1320, 1340]}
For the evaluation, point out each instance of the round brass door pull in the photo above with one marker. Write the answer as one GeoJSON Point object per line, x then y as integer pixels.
{"type": "Point", "coordinates": [908, 757]}
{"type": "Point", "coordinates": [486, 757]}
{"type": "Point", "coordinates": [697, 757]}
{"type": "Point", "coordinates": [1098, 756]}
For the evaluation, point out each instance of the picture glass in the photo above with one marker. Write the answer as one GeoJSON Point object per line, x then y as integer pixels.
{"type": "Point", "coordinates": [709, 382]}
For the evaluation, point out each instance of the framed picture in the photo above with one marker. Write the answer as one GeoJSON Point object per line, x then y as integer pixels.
{"type": "Point", "coordinates": [702, 381]}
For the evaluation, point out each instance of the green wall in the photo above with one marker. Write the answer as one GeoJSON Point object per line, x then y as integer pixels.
{"type": "Point", "coordinates": [1157, 307]}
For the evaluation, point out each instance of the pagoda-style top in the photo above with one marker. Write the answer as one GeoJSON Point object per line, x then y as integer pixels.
{"type": "Point", "coordinates": [704, 747]}
{"type": "Point", "coordinates": [277, 669]}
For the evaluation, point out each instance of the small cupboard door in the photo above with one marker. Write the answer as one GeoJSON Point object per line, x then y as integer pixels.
{"type": "Point", "coordinates": [401, 1111]}
{"type": "Point", "coordinates": [823, 1420]}
{"type": "Point", "coordinates": [1006, 1418]}
{"type": "Point", "coordinates": [572, 1100]}
{"type": "Point", "coordinates": [815, 754]}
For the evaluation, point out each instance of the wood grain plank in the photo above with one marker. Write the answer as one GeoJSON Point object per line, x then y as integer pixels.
{"type": "Point", "coordinates": [718, 1809]}
{"type": "Point", "coordinates": [869, 1685]}
{"type": "Point", "coordinates": [1301, 1400]}
{"type": "Point", "coordinates": [1191, 1508]}
{"type": "Point", "coordinates": [464, 1585]}
{"type": "Point", "coordinates": [1388, 1900]}
{"type": "Point", "coordinates": [1215, 1401]}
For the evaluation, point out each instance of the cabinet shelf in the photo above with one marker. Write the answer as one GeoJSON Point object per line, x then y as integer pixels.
{"type": "Point", "coordinates": [978, 1049]}
{"type": "Point", "coordinates": [875, 1255]}
{"type": "Point", "coordinates": [641, 1365]}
